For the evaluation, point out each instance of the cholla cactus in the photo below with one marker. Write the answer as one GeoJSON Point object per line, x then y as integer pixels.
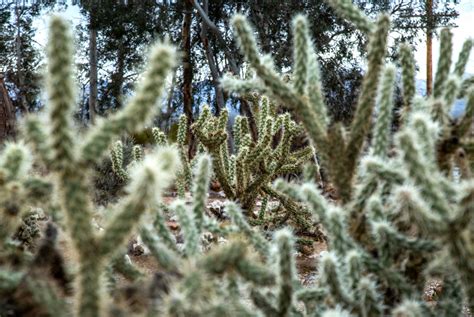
{"type": "Point", "coordinates": [16, 187]}
{"type": "Point", "coordinates": [246, 174]}
{"type": "Point", "coordinates": [184, 176]}
{"type": "Point", "coordinates": [70, 161]}
{"type": "Point", "coordinates": [384, 231]}
{"type": "Point", "coordinates": [339, 150]}
{"type": "Point", "coordinates": [117, 154]}
{"type": "Point", "coordinates": [158, 136]}
{"type": "Point", "coordinates": [120, 169]}
{"type": "Point", "coordinates": [402, 219]}
{"type": "Point", "coordinates": [116, 157]}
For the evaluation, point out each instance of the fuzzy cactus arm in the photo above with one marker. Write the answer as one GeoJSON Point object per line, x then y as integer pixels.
{"type": "Point", "coordinates": [311, 296]}
{"type": "Point", "coordinates": [237, 132]}
{"type": "Point", "coordinates": [272, 81]}
{"type": "Point", "coordinates": [466, 120]}
{"type": "Point", "coordinates": [442, 107]}
{"type": "Point", "coordinates": [409, 308]}
{"type": "Point", "coordinates": [165, 256]}
{"type": "Point", "coordinates": [346, 9]}
{"type": "Point", "coordinates": [36, 136]}
{"type": "Point", "coordinates": [460, 249]}
{"type": "Point", "coordinates": [119, 229]}
{"type": "Point", "coordinates": [60, 92]}
{"type": "Point", "coordinates": [444, 63]}
{"type": "Point", "coordinates": [125, 267]}
{"type": "Point", "coordinates": [222, 120]}
{"type": "Point", "coordinates": [410, 202]}
{"type": "Point", "coordinates": [224, 154]}
{"type": "Point", "coordinates": [331, 277]}
{"type": "Point", "coordinates": [340, 240]}
{"type": "Point", "coordinates": [451, 90]}
{"type": "Point", "coordinates": [382, 126]}
{"type": "Point", "coordinates": [263, 303]}
{"type": "Point", "coordinates": [137, 153]}
{"type": "Point", "coordinates": [463, 58]}
{"type": "Point", "coordinates": [10, 208]}
{"type": "Point", "coordinates": [407, 64]}
{"type": "Point", "coordinates": [116, 157]}
{"type": "Point", "coordinates": [257, 240]}
{"type": "Point", "coordinates": [370, 301]}
{"type": "Point", "coordinates": [354, 268]}
{"type": "Point", "coordinates": [182, 130]}
{"type": "Point", "coordinates": [191, 234]}
{"type": "Point", "coordinates": [263, 208]}
{"type": "Point", "coordinates": [139, 110]}
{"type": "Point", "coordinates": [222, 259]}
{"type": "Point", "coordinates": [419, 172]}
{"type": "Point", "coordinates": [159, 137]}
{"type": "Point", "coordinates": [240, 171]}
{"type": "Point", "coordinates": [360, 125]}
{"type": "Point", "coordinates": [387, 237]}
{"type": "Point", "coordinates": [318, 205]}
{"type": "Point", "coordinates": [427, 132]}
{"type": "Point", "coordinates": [301, 51]}
{"type": "Point", "coordinates": [314, 91]}
{"type": "Point", "coordinates": [90, 287]}
{"type": "Point", "coordinates": [242, 86]}
{"type": "Point", "coordinates": [254, 272]}
{"type": "Point", "coordinates": [221, 174]}
{"type": "Point", "coordinates": [15, 160]}
{"type": "Point", "coordinates": [383, 170]}
{"type": "Point", "coordinates": [263, 114]}
{"type": "Point", "coordinates": [464, 214]}
{"type": "Point", "coordinates": [162, 229]}
{"type": "Point", "coordinates": [287, 269]}
{"type": "Point", "coordinates": [363, 191]}
{"type": "Point", "coordinates": [148, 181]}
{"type": "Point", "coordinates": [200, 189]}
{"type": "Point", "coordinates": [465, 86]}
{"type": "Point", "coordinates": [75, 202]}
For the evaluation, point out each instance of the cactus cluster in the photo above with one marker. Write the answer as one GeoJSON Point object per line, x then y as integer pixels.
{"type": "Point", "coordinates": [403, 215]}
{"type": "Point", "coordinates": [246, 173]}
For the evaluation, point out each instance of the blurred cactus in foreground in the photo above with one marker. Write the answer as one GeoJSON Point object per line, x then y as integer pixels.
{"type": "Point", "coordinates": [71, 162]}
{"type": "Point", "coordinates": [403, 215]}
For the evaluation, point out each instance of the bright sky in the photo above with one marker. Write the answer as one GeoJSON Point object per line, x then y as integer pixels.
{"type": "Point", "coordinates": [465, 23]}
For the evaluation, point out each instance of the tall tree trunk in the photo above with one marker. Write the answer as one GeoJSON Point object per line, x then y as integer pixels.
{"type": "Point", "coordinates": [187, 88]}
{"type": "Point", "coordinates": [7, 114]}
{"type": "Point", "coordinates": [232, 63]}
{"type": "Point", "coordinates": [216, 75]}
{"type": "Point", "coordinates": [19, 60]}
{"type": "Point", "coordinates": [92, 67]}
{"type": "Point", "coordinates": [118, 76]}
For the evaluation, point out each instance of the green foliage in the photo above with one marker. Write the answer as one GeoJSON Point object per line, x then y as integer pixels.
{"type": "Point", "coordinates": [246, 175]}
